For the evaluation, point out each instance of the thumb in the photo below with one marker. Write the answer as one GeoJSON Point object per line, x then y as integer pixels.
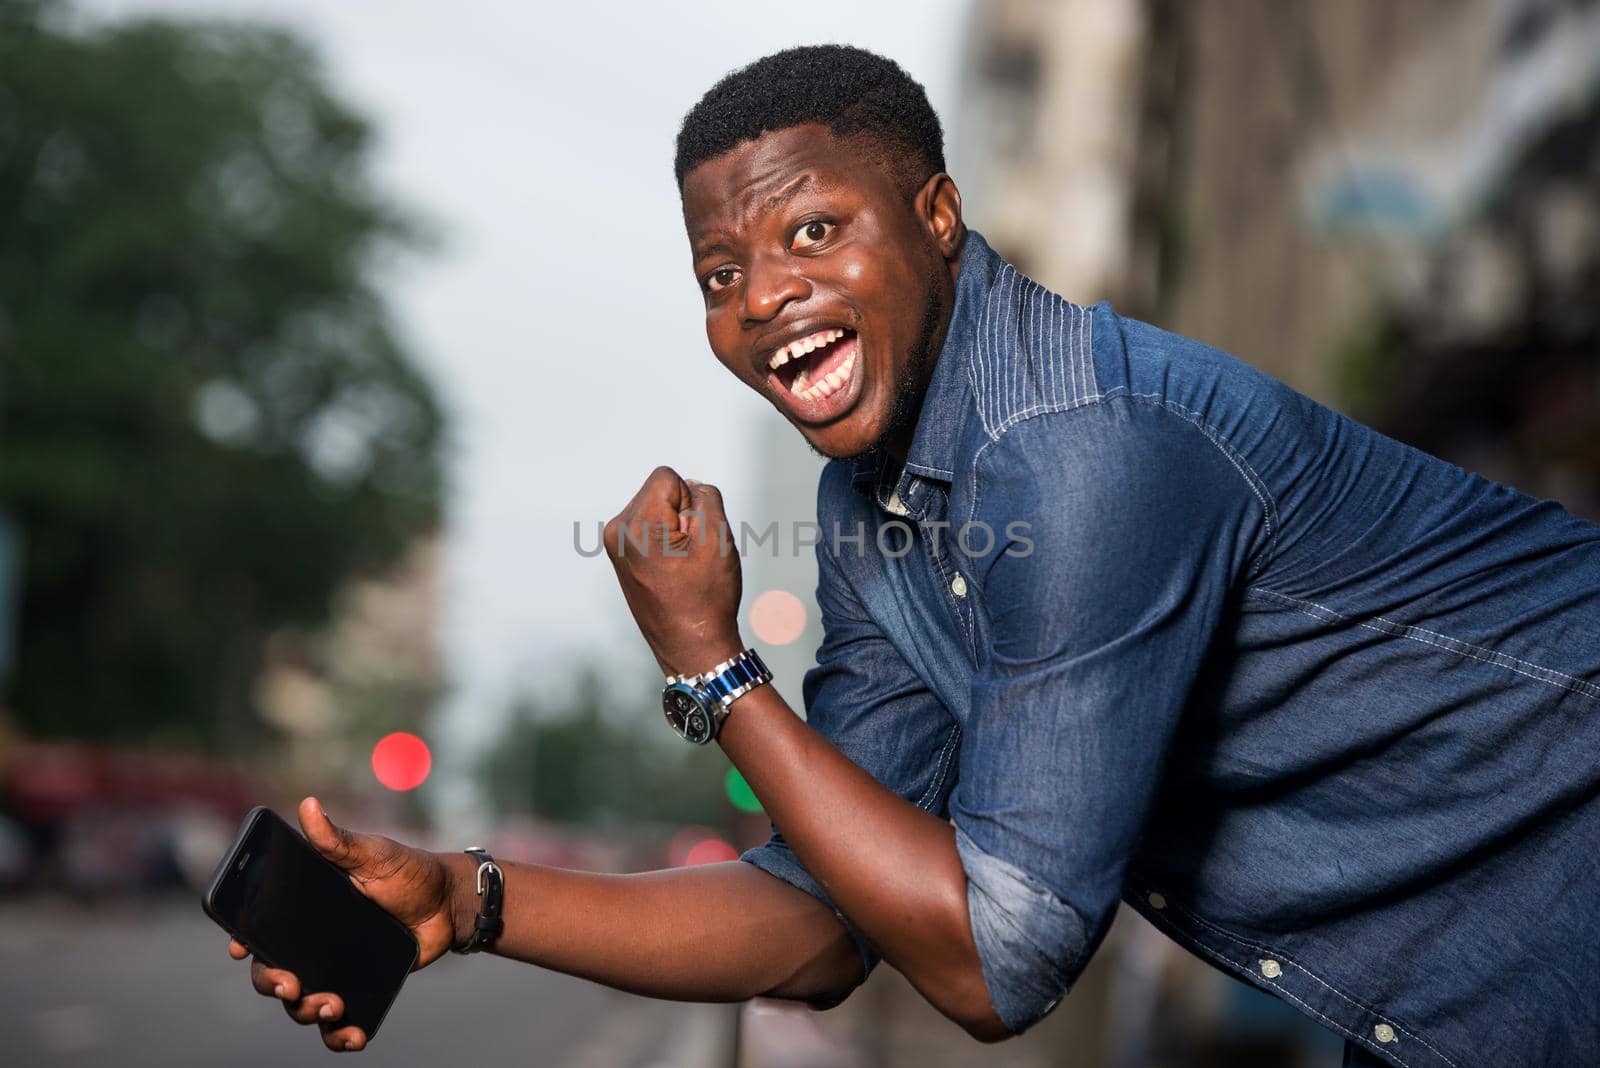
{"type": "Point", "coordinates": [334, 842]}
{"type": "Point", "coordinates": [702, 509]}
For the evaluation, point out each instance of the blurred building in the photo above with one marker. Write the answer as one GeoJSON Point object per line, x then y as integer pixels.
{"type": "Point", "coordinates": [1282, 179]}
{"type": "Point", "coordinates": [374, 669]}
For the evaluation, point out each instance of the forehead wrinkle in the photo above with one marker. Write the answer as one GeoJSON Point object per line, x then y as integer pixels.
{"type": "Point", "coordinates": [754, 197]}
{"type": "Point", "coordinates": [786, 194]}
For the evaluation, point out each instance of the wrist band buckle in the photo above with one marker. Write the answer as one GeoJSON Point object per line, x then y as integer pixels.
{"type": "Point", "coordinates": [491, 886]}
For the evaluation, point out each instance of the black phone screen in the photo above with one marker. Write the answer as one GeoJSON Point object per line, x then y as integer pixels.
{"type": "Point", "coordinates": [294, 909]}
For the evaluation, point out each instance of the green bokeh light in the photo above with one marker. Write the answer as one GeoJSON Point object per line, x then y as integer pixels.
{"type": "Point", "coordinates": [739, 793]}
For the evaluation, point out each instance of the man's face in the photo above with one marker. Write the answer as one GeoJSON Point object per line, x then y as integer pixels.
{"type": "Point", "coordinates": [827, 290]}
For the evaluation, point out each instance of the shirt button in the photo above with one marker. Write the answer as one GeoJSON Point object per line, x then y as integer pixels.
{"type": "Point", "coordinates": [1271, 969]}
{"type": "Point", "coordinates": [896, 505]}
{"type": "Point", "coordinates": [1383, 1033]}
{"type": "Point", "coordinates": [958, 585]}
{"type": "Point", "coordinates": [1157, 901]}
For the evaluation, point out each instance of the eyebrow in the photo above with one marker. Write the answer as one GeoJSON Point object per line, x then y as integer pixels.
{"type": "Point", "coordinates": [712, 245]}
{"type": "Point", "coordinates": [714, 241]}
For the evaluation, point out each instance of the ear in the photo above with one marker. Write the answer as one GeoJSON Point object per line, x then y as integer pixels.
{"type": "Point", "coordinates": [938, 208]}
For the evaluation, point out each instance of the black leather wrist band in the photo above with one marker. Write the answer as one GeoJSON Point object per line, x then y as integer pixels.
{"type": "Point", "coordinates": [492, 897]}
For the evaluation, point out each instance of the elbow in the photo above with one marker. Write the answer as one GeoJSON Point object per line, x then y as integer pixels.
{"type": "Point", "coordinates": [832, 992]}
{"type": "Point", "coordinates": [966, 1001]}
{"type": "Point", "coordinates": [985, 1026]}
{"type": "Point", "coordinates": [989, 1035]}
{"type": "Point", "coordinates": [1030, 943]}
{"type": "Point", "coordinates": [823, 977]}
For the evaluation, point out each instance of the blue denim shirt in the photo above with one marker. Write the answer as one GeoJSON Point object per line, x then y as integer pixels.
{"type": "Point", "coordinates": [1144, 623]}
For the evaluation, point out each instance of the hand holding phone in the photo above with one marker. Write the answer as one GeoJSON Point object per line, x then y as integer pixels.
{"type": "Point", "coordinates": [413, 886]}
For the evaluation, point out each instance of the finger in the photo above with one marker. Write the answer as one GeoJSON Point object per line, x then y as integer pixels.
{"type": "Point", "coordinates": [274, 982]}
{"type": "Point", "coordinates": [662, 497]}
{"type": "Point", "coordinates": [237, 950]}
{"type": "Point", "coordinates": [704, 495]}
{"type": "Point", "coordinates": [340, 1039]}
{"type": "Point", "coordinates": [692, 507]}
{"type": "Point", "coordinates": [315, 1009]}
{"type": "Point", "coordinates": [332, 841]}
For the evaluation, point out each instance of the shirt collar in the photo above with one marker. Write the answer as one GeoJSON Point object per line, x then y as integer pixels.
{"type": "Point", "coordinates": [948, 401]}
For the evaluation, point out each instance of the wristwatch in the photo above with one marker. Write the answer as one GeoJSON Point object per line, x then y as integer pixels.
{"type": "Point", "coordinates": [697, 705]}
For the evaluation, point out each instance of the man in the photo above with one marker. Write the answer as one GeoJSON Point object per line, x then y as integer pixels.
{"type": "Point", "coordinates": [1108, 615]}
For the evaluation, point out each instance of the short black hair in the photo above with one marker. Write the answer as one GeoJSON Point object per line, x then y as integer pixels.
{"type": "Point", "coordinates": [849, 90]}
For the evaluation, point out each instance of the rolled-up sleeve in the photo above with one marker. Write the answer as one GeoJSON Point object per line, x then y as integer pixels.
{"type": "Point", "coordinates": [864, 697]}
{"type": "Point", "coordinates": [1138, 525]}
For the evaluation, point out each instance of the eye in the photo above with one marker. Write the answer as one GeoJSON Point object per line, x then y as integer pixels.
{"type": "Point", "coordinates": [721, 278]}
{"type": "Point", "coordinates": [812, 233]}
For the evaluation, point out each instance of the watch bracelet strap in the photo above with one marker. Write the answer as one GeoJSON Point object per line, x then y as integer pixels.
{"type": "Point", "coordinates": [731, 679]}
{"type": "Point", "coordinates": [735, 677]}
{"type": "Point", "coordinates": [491, 887]}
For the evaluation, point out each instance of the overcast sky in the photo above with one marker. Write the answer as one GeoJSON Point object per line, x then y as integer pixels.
{"type": "Point", "coordinates": [561, 317]}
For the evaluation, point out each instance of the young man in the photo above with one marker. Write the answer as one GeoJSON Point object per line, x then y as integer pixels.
{"type": "Point", "coordinates": [1108, 615]}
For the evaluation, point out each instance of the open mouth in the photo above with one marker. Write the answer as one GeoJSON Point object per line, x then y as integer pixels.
{"type": "Point", "coordinates": [815, 367]}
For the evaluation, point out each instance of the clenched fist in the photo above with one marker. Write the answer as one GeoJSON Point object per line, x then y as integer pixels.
{"type": "Point", "coordinates": [679, 570]}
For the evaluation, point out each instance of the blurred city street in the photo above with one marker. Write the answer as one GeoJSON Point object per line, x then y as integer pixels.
{"type": "Point", "coordinates": [151, 984]}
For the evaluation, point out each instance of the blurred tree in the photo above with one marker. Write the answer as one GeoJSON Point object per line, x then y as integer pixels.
{"type": "Point", "coordinates": [207, 423]}
{"type": "Point", "coordinates": [577, 761]}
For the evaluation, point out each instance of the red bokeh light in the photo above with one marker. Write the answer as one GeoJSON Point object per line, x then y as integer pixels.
{"type": "Point", "coordinates": [710, 851]}
{"type": "Point", "coordinates": [401, 761]}
{"type": "Point", "coordinates": [684, 840]}
{"type": "Point", "coordinates": [778, 617]}
{"type": "Point", "coordinates": [698, 845]}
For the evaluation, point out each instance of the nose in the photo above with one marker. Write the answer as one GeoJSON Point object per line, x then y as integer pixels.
{"type": "Point", "coordinates": [770, 283]}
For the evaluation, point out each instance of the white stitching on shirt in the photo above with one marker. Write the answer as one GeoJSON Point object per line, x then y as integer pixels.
{"type": "Point", "coordinates": [1258, 485]}
{"type": "Point", "coordinates": [1069, 368]}
{"type": "Point", "coordinates": [1080, 351]}
{"type": "Point", "coordinates": [1527, 668]}
{"type": "Point", "coordinates": [954, 606]}
{"type": "Point", "coordinates": [1058, 329]}
{"type": "Point", "coordinates": [945, 758]}
{"type": "Point", "coordinates": [1255, 978]}
{"type": "Point", "coordinates": [1278, 954]}
{"type": "Point", "coordinates": [1056, 337]}
{"type": "Point", "coordinates": [1064, 363]}
{"type": "Point", "coordinates": [1086, 335]}
{"type": "Point", "coordinates": [1254, 481]}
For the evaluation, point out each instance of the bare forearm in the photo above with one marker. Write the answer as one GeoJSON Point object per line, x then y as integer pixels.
{"type": "Point", "coordinates": [714, 932]}
{"type": "Point", "coordinates": [891, 867]}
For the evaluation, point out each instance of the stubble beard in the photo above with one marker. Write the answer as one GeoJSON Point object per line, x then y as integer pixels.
{"type": "Point", "coordinates": [909, 388]}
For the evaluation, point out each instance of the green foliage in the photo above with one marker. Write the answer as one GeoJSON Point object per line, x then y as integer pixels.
{"type": "Point", "coordinates": [579, 761]}
{"type": "Point", "coordinates": [1368, 366]}
{"type": "Point", "coordinates": [206, 420]}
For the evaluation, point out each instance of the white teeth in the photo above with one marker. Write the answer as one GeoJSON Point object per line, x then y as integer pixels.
{"type": "Point", "coordinates": [806, 390]}
{"type": "Point", "coordinates": [796, 349]}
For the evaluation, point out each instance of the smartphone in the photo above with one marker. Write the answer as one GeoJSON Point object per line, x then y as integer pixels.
{"type": "Point", "coordinates": [295, 909]}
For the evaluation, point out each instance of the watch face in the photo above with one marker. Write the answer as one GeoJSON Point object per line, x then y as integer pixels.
{"type": "Point", "coordinates": [686, 712]}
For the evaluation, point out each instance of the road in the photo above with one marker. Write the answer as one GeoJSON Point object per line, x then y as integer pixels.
{"type": "Point", "coordinates": [152, 984]}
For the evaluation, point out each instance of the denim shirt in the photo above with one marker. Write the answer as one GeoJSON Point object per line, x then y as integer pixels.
{"type": "Point", "coordinates": [1145, 624]}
